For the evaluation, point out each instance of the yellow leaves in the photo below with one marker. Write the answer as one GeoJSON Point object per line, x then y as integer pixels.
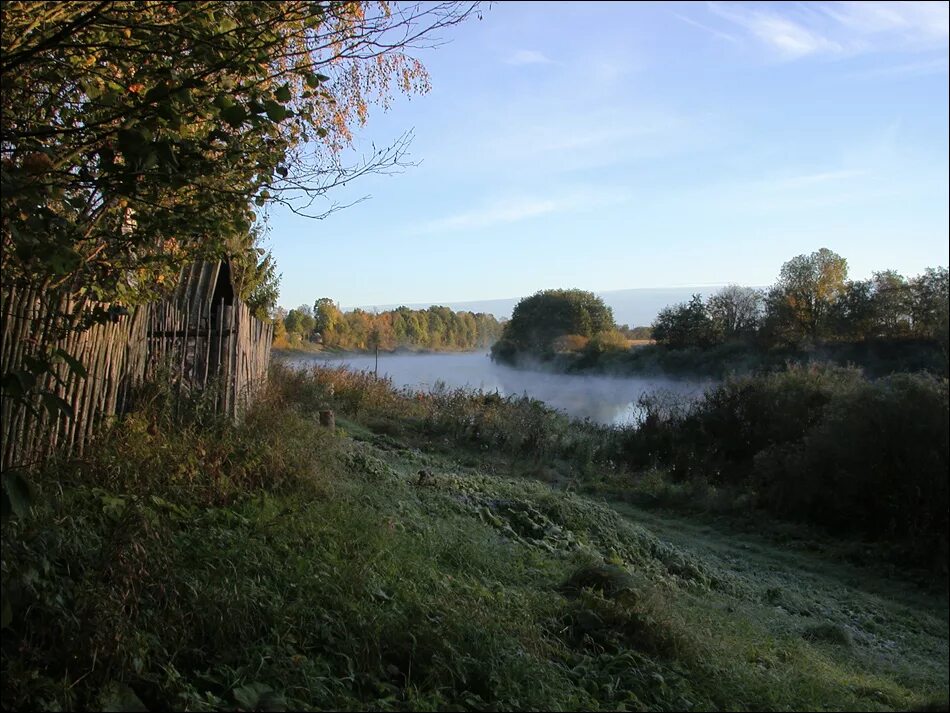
{"type": "Point", "coordinates": [136, 88]}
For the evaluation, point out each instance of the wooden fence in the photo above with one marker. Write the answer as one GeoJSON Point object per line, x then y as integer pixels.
{"type": "Point", "coordinates": [201, 345]}
{"type": "Point", "coordinates": [197, 346]}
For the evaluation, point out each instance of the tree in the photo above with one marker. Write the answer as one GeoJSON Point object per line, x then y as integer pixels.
{"type": "Point", "coordinates": [180, 116]}
{"type": "Point", "coordinates": [538, 320]}
{"type": "Point", "coordinates": [300, 322]}
{"type": "Point", "coordinates": [892, 304]}
{"type": "Point", "coordinates": [809, 285]}
{"type": "Point", "coordinates": [138, 137]}
{"type": "Point", "coordinates": [853, 315]}
{"type": "Point", "coordinates": [929, 302]}
{"type": "Point", "coordinates": [735, 310]}
{"type": "Point", "coordinates": [328, 318]}
{"type": "Point", "coordinates": [255, 274]}
{"type": "Point", "coordinates": [687, 324]}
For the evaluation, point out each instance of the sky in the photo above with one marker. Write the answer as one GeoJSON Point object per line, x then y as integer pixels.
{"type": "Point", "coordinates": [615, 146]}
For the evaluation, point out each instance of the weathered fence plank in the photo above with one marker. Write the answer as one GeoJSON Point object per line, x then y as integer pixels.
{"type": "Point", "coordinates": [120, 354]}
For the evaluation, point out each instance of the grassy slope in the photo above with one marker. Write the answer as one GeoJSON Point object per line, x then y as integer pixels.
{"type": "Point", "coordinates": [335, 579]}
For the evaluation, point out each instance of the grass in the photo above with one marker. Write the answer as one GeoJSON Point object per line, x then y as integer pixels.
{"type": "Point", "coordinates": [193, 564]}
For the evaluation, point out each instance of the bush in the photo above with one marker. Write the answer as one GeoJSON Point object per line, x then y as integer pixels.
{"type": "Point", "coordinates": [875, 463]}
{"type": "Point", "coordinates": [816, 444]}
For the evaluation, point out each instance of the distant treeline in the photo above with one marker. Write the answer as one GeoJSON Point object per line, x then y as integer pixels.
{"type": "Point", "coordinates": [436, 328]}
{"type": "Point", "coordinates": [812, 302]}
{"type": "Point", "coordinates": [886, 323]}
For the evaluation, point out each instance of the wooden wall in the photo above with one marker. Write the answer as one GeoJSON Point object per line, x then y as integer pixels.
{"type": "Point", "coordinates": [200, 345]}
{"type": "Point", "coordinates": [195, 345]}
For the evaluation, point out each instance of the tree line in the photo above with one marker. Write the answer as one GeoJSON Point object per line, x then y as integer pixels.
{"type": "Point", "coordinates": [887, 321]}
{"type": "Point", "coordinates": [813, 301]}
{"type": "Point", "coordinates": [436, 328]}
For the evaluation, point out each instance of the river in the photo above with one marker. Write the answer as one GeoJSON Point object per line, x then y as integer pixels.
{"type": "Point", "coordinates": [608, 400]}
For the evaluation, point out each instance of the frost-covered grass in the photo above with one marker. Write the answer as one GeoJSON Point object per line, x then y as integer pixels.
{"type": "Point", "coordinates": [188, 563]}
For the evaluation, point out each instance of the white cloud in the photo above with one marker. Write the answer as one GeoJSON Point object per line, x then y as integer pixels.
{"type": "Point", "coordinates": [528, 57]}
{"type": "Point", "coordinates": [846, 29]}
{"type": "Point", "coordinates": [512, 210]}
{"type": "Point", "coordinates": [918, 22]}
{"type": "Point", "coordinates": [810, 179]}
{"type": "Point", "coordinates": [711, 30]}
{"type": "Point", "coordinates": [790, 38]}
{"type": "Point", "coordinates": [507, 212]}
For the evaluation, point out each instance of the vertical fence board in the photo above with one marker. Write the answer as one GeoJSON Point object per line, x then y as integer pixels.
{"type": "Point", "coordinates": [219, 340]}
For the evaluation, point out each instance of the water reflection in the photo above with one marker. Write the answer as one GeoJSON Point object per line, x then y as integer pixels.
{"type": "Point", "coordinates": [602, 399]}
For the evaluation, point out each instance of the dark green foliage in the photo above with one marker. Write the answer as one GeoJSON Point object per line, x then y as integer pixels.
{"type": "Point", "coordinates": [300, 321]}
{"type": "Point", "coordinates": [540, 319]}
{"type": "Point", "coordinates": [821, 445]}
{"type": "Point", "coordinates": [687, 325]}
{"type": "Point", "coordinates": [878, 357]}
{"type": "Point", "coordinates": [813, 313]}
{"type": "Point", "coordinates": [876, 462]}
{"type": "Point", "coordinates": [610, 580]}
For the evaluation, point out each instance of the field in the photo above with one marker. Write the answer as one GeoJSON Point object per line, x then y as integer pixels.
{"type": "Point", "coordinates": [194, 564]}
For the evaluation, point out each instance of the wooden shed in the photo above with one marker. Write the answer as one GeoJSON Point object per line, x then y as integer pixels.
{"type": "Point", "coordinates": [202, 336]}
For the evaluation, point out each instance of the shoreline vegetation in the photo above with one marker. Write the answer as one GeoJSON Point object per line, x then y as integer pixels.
{"type": "Point", "coordinates": [324, 327]}
{"type": "Point", "coordinates": [813, 313]}
{"type": "Point", "coordinates": [317, 349]}
{"type": "Point", "coordinates": [459, 551]}
{"type": "Point", "coordinates": [876, 358]}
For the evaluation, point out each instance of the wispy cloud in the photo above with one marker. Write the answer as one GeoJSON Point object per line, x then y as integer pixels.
{"type": "Point", "coordinates": [916, 22]}
{"type": "Point", "coordinates": [848, 28]}
{"type": "Point", "coordinates": [548, 141]}
{"type": "Point", "coordinates": [938, 65]}
{"type": "Point", "coordinates": [790, 38]}
{"type": "Point", "coordinates": [711, 30]}
{"type": "Point", "coordinates": [822, 177]}
{"type": "Point", "coordinates": [784, 193]}
{"type": "Point", "coordinates": [528, 57]}
{"type": "Point", "coordinates": [498, 213]}
{"type": "Point", "coordinates": [512, 210]}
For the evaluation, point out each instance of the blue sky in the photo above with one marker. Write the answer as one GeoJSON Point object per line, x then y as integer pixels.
{"type": "Point", "coordinates": [613, 146]}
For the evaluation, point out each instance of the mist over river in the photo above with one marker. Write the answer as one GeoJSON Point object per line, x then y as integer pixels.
{"type": "Point", "coordinates": [604, 399]}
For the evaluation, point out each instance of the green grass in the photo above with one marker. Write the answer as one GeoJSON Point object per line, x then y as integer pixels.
{"type": "Point", "coordinates": [194, 564]}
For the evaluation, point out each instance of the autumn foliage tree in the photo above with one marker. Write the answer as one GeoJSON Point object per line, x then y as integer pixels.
{"type": "Point", "coordinates": [433, 328]}
{"type": "Point", "coordinates": [139, 136]}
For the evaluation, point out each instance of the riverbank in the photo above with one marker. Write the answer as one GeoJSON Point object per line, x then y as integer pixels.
{"type": "Point", "coordinates": [191, 563]}
{"type": "Point", "coordinates": [877, 358]}
{"type": "Point", "coordinates": [332, 352]}
{"type": "Point", "coordinates": [603, 399]}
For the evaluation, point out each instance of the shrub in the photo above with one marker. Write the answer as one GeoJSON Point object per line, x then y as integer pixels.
{"type": "Point", "coordinates": [818, 444]}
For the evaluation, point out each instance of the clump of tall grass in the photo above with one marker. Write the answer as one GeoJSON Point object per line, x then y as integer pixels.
{"type": "Point", "coordinates": [514, 425]}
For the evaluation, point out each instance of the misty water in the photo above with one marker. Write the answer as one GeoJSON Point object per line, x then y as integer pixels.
{"type": "Point", "coordinates": [604, 399]}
